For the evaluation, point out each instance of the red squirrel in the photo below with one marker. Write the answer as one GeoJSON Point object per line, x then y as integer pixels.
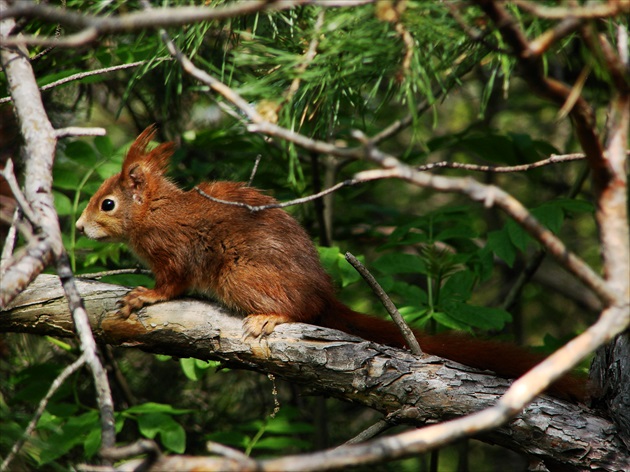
{"type": "Point", "coordinates": [260, 264]}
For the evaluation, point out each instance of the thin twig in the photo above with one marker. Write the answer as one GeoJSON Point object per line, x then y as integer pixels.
{"type": "Point", "coordinates": [79, 131]}
{"type": "Point", "coordinates": [58, 382]}
{"type": "Point", "coordinates": [254, 170]}
{"type": "Point", "coordinates": [107, 273]}
{"type": "Point", "coordinates": [592, 11]}
{"type": "Point", "coordinates": [542, 43]}
{"type": "Point", "coordinates": [26, 208]}
{"type": "Point", "coordinates": [370, 432]}
{"type": "Point", "coordinates": [231, 453]}
{"type": "Point", "coordinates": [142, 446]}
{"type": "Point", "coordinates": [88, 346]}
{"type": "Point", "coordinates": [83, 75]}
{"type": "Point", "coordinates": [10, 240]}
{"type": "Point", "coordinates": [405, 330]}
{"type": "Point", "coordinates": [297, 201]}
{"type": "Point", "coordinates": [554, 159]}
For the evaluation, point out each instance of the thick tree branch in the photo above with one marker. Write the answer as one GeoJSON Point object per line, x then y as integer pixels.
{"type": "Point", "coordinates": [414, 390]}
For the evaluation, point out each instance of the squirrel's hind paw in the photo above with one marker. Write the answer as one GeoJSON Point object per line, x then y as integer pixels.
{"type": "Point", "coordinates": [262, 324]}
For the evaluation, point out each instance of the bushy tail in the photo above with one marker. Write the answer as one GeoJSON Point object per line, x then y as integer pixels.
{"type": "Point", "coordinates": [506, 360]}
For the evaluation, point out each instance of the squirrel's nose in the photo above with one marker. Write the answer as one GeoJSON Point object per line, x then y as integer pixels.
{"type": "Point", "coordinates": [80, 226]}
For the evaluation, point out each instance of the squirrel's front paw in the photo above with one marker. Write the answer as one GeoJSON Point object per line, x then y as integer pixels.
{"type": "Point", "coordinates": [134, 300]}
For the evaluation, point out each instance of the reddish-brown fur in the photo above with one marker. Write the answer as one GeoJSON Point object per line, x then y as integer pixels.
{"type": "Point", "coordinates": [261, 264]}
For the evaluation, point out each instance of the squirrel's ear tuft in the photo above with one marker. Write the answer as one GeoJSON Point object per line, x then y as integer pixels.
{"type": "Point", "coordinates": [154, 161]}
{"type": "Point", "coordinates": [159, 157]}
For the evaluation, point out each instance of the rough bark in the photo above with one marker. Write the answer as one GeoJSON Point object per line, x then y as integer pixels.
{"type": "Point", "coordinates": [410, 389]}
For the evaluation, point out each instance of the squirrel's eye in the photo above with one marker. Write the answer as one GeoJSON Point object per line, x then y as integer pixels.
{"type": "Point", "coordinates": [108, 204]}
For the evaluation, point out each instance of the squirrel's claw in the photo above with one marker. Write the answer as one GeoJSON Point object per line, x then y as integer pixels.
{"type": "Point", "coordinates": [258, 325]}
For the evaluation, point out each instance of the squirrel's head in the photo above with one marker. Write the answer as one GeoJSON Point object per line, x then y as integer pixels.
{"type": "Point", "coordinates": [110, 211]}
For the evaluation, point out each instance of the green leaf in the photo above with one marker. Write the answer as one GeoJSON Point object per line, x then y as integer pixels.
{"type": "Point", "coordinates": [414, 315]}
{"type": "Point", "coordinates": [151, 407]}
{"type": "Point", "coordinates": [189, 367]}
{"type": "Point", "coordinates": [550, 215]}
{"type": "Point", "coordinates": [107, 169]}
{"type": "Point", "coordinates": [448, 321]}
{"type": "Point", "coordinates": [229, 438]}
{"type": "Point", "coordinates": [173, 437]}
{"type": "Point", "coordinates": [458, 287]}
{"type": "Point", "coordinates": [329, 257]}
{"type": "Point", "coordinates": [501, 244]}
{"type": "Point", "coordinates": [485, 318]}
{"type": "Point", "coordinates": [398, 263]}
{"type": "Point", "coordinates": [151, 424]}
{"type": "Point", "coordinates": [519, 237]}
{"type": "Point", "coordinates": [575, 206]}
{"type": "Point", "coordinates": [171, 433]}
{"type": "Point", "coordinates": [410, 294]}
{"type": "Point", "coordinates": [82, 152]}
{"type": "Point", "coordinates": [280, 443]}
{"type": "Point", "coordinates": [92, 442]}
{"type": "Point", "coordinates": [287, 426]}
{"type": "Point", "coordinates": [460, 231]}
{"type": "Point", "coordinates": [63, 204]}
{"type": "Point", "coordinates": [104, 145]}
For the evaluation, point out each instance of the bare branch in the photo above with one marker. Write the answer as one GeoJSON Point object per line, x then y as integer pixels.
{"type": "Point", "coordinates": [9, 176]}
{"type": "Point", "coordinates": [83, 75]}
{"type": "Point", "coordinates": [591, 11]}
{"type": "Point", "coordinates": [374, 430]}
{"type": "Point", "coordinates": [410, 338]}
{"type": "Point", "coordinates": [297, 201]}
{"type": "Point", "coordinates": [254, 170]}
{"type": "Point", "coordinates": [543, 42]}
{"type": "Point", "coordinates": [108, 273]}
{"type": "Point", "coordinates": [79, 131]}
{"type": "Point", "coordinates": [554, 159]}
{"type": "Point", "coordinates": [142, 446]}
{"type": "Point", "coordinates": [18, 272]}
